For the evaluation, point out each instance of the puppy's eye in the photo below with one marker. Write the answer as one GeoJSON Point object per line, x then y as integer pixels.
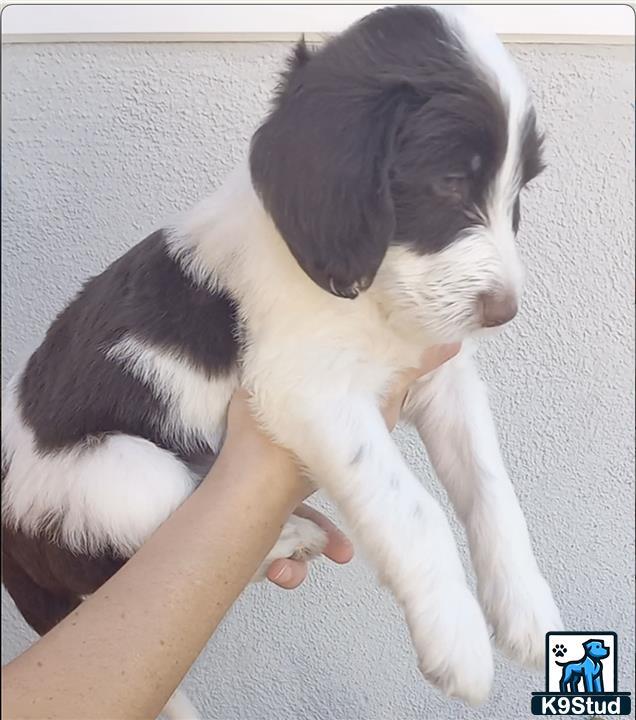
{"type": "Point", "coordinates": [454, 187]}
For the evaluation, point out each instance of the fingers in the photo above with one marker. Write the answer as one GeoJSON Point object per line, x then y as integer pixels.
{"type": "Point", "coordinates": [287, 574]}
{"type": "Point", "coordinates": [432, 358]}
{"type": "Point", "coordinates": [436, 356]}
{"type": "Point", "coordinates": [339, 548]}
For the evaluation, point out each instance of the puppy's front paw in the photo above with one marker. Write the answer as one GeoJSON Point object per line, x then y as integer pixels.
{"type": "Point", "coordinates": [453, 645]}
{"type": "Point", "coordinates": [300, 539]}
{"type": "Point", "coordinates": [522, 610]}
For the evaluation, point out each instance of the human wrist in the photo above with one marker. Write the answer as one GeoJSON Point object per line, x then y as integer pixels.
{"type": "Point", "coordinates": [250, 458]}
{"type": "Point", "coordinates": [263, 467]}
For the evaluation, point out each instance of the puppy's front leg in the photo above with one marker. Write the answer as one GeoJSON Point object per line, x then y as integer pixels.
{"type": "Point", "coordinates": [346, 447]}
{"type": "Point", "coordinates": [451, 411]}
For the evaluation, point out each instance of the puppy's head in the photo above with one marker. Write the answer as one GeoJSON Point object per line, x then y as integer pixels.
{"type": "Point", "coordinates": [596, 649]}
{"type": "Point", "coordinates": [395, 156]}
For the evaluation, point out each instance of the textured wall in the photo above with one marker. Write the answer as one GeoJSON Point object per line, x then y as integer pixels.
{"type": "Point", "coordinates": [102, 143]}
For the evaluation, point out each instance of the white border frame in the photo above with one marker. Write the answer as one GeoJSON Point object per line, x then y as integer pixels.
{"type": "Point", "coordinates": [574, 22]}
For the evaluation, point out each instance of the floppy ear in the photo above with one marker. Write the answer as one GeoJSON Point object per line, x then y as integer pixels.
{"type": "Point", "coordinates": [320, 164]}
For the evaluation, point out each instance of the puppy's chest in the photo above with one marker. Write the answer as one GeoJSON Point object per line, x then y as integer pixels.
{"type": "Point", "coordinates": [325, 347]}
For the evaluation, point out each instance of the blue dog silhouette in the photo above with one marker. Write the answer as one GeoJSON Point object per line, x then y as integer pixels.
{"type": "Point", "coordinates": [589, 668]}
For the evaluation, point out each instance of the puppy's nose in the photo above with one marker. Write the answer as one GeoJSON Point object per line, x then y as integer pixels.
{"type": "Point", "coordinates": [497, 308]}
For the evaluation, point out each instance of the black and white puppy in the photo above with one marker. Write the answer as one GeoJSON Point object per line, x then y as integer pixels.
{"type": "Point", "coordinates": [377, 216]}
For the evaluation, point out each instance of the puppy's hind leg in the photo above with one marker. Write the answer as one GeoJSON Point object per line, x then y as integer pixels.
{"type": "Point", "coordinates": [113, 495]}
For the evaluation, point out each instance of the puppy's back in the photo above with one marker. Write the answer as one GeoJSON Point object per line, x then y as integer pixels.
{"type": "Point", "coordinates": [80, 384]}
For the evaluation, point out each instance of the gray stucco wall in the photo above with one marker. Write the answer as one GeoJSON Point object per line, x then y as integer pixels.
{"type": "Point", "coordinates": [103, 142]}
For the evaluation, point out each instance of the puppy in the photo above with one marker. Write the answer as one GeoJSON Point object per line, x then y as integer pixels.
{"type": "Point", "coordinates": [376, 216]}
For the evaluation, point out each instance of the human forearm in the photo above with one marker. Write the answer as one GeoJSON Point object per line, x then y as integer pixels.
{"type": "Point", "coordinates": [127, 647]}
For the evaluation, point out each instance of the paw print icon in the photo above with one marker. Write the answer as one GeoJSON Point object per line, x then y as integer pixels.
{"type": "Point", "coordinates": [559, 650]}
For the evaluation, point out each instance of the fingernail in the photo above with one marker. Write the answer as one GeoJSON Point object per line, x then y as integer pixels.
{"type": "Point", "coordinates": [284, 574]}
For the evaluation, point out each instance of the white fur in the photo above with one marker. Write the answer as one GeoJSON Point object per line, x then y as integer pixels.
{"type": "Point", "coordinates": [350, 351]}
{"type": "Point", "coordinates": [487, 50]}
{"type": "Point", "coordinates": [198, 403]}
{"type": "Point", "coordinates": [317, 366]}
{"type": "Point", "coordinates": [450, 409]}
{"type": "Point", "coordinates": [116, 493]}
{"type": "Point", "coordinates": [316, 389]}
{"type": "Point", "coordinates": [356, 347]}
{"type": "Point", "coordinates": [502, 73]}
{"type": "Point", "coordinates": [435, 296]}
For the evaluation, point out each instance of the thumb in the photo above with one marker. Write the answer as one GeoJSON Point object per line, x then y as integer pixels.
{"type": "Point", "coordinates": [431, 359]}
{"type": "Point", "coordinates": [437, 355]}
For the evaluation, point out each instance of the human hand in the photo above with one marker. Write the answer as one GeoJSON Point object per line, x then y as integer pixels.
{"type": "Point", "coordinates": [289, 574]}
{"type": "Point", "coordinates": [432, 358]}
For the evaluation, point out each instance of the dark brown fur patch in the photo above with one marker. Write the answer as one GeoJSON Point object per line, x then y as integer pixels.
{"type": "Point", "coordinates": [45, 580]}
{"type": "Point", "coordinates": [71, 392]}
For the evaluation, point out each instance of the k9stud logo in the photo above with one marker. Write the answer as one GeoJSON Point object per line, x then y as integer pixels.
{"type": "Point", "coordinates": [580, 675]}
